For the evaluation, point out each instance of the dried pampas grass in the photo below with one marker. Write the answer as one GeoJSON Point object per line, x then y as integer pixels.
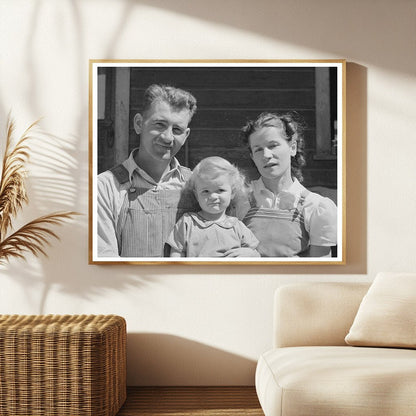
{"type": "Point", "coordinates": [35, 235]}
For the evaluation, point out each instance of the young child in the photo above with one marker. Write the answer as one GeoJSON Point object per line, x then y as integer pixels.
{"type": "Point", "coordinates": [210, 232]}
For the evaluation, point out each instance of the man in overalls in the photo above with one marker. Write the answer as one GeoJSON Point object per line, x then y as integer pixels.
{"type": "Point", "coordinates": [140, 200]}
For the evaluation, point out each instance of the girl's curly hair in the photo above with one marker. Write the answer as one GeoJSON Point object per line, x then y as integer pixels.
{"type": "Point", "coordinates": [292, 125]}
{"type": "Point", "coordinates": [214, 166]}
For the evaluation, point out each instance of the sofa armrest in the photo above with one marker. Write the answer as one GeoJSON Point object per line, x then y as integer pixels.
{"type": "Point", "coordinates": [308, 314]}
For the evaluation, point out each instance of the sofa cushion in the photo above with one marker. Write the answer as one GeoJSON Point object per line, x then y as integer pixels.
{"type": "Point", "coordinates": [315, 313]}
{"type": "Point", "coordinates": [304, 381]}
{"type": "Point", "coordinates": [387, 314]}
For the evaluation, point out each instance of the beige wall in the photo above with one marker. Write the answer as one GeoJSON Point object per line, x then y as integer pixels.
{"type": "Point", "coordinates": [204, 325]}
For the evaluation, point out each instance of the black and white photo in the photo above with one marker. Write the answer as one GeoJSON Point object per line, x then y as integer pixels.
{"type": "Point", "coordinates": [211, 162]}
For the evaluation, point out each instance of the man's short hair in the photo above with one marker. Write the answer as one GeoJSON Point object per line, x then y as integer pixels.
{"type": "Point", "coordinates": [177, 98]}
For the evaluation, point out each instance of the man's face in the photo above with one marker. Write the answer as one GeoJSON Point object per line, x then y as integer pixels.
{"type": "Point", "coordinates": [163, 131]}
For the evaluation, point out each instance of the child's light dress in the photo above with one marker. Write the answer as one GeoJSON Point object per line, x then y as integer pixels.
{"type": "Point", "coordinates": [197, 237]}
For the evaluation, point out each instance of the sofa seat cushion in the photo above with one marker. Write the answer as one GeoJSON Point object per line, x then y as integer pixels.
{"type": "Point", "coordinates": [342, 380]}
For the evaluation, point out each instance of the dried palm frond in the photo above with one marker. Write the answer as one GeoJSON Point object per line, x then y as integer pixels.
{"type": "Point", "coordinates": [12, 184]}
{"type": "Point", "coordinates": [34, 236]}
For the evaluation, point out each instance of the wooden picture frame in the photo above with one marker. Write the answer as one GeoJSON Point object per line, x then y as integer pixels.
{"type": "Point", "coordinates": [228, 93]}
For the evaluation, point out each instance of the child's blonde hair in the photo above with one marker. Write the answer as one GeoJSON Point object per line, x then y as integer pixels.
{"type": "Point", "coordinates": [214, 166]}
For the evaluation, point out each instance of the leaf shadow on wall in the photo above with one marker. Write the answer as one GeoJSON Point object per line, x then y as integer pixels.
{"type": "Point", "coordinates": [163, 359]}
{"type": "Point", "coordinates": [54, 186]}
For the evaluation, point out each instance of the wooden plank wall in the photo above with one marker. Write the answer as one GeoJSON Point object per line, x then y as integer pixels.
{"type": "Point", "coordinates": [227, 98]}
{"type": "Point", "coordinates": [105, 142]}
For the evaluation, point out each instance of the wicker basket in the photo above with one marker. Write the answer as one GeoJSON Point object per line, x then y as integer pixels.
{"type": "Point", "coordinates": [71, 365]}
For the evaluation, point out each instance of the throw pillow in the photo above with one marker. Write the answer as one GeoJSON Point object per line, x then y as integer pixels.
{"type": "Point", "coordinates": [386, 316]}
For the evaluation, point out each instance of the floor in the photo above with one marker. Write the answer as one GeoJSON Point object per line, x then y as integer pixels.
{"type": "Point", "coordinates": [187, 401]}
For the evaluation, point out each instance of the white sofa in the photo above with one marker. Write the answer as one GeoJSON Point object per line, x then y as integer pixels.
{"type": "Point", "coordinates": [311, 371]}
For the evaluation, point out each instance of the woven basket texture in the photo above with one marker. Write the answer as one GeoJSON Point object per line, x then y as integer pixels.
{"type": "Point", "coordinates": [52, 365]}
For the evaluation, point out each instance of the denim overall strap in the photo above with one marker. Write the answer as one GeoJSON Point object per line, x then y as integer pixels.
{"type": "Point", "coordinates": [281, 232]}
{"type": "Point", "coordinates": [121, 173]}
{"type": "Point", "coordinates": [147, 217]}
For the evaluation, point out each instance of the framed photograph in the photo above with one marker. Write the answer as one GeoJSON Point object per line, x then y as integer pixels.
{"type": "Point", "coordinates": [217, 162]}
